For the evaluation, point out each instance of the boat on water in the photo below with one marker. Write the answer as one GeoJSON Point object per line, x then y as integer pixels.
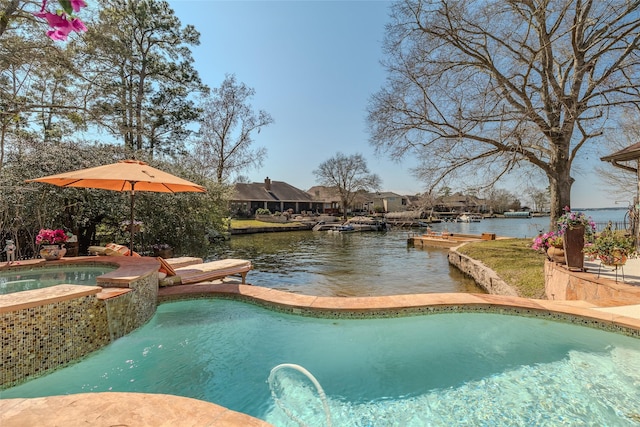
{"type": "Point", "coordinates": [364, 223]}
{"type": "Point", "coordinates": [344, 228]}
{"type": "Point", "coordinates": [517, 214]}
{"type": "Point", "coordinates": [468, 217]}
{"type": "Point", "coordinates": [358, 223]}
{"type": "Point", "coordinates": [324, 226]}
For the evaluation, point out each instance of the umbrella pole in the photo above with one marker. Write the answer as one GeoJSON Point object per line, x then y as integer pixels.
{"type": "Point", "coordinates": [133, 195]}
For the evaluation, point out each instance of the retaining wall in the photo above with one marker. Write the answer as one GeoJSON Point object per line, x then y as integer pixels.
{"type": "Point", "coordinates": [562, 284]}
{"type": "Point", "coordinates": [483, 275]}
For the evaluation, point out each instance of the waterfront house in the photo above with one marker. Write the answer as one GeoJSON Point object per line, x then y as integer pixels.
{"type": "Point", "coordinates": [277, 196]}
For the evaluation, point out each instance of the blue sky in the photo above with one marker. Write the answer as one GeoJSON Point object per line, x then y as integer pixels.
{"type": "Point", "coordinates": [314, 66]}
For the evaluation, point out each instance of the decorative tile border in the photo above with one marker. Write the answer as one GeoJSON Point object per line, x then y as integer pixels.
{"type": "Point", "coordinates": [383, 307]}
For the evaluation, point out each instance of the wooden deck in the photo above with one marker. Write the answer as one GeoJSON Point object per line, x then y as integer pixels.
{"type": "Point", "coordinates": [446, 240]}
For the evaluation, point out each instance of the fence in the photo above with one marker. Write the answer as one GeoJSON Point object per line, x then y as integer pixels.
{"type": "Point", "coordinates": [615, 225]}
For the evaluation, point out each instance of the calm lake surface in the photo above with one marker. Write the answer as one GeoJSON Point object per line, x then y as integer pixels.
{"type": "Point", "coordinates": [369, 263]}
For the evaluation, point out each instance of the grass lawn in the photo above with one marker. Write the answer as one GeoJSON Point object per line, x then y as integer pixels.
{"type": "Point", "coordinates": [514, 261]}
{"type": "Point", "coordinates": [252, 223]}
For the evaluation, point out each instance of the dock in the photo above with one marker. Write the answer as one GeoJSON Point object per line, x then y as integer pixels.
{"type": "Point", "coordinates": [446, 240]}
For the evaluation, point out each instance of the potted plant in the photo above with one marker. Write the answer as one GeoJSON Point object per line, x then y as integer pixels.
{"type": "Point", "coordinates": [612, 247]}
{"type": "Point", "coordinates": [52, 243]}
{"type": "Point", "coordinates": [163, 250]}
{"type": "Point", "coordinates": [550, 243]}
{"type": "Point", "coordinates": [575, 228]}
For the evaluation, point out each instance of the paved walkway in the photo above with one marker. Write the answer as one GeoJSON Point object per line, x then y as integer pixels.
{"type": "Point", "coordinates": [628, 274]}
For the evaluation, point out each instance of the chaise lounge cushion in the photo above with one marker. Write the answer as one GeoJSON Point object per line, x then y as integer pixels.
{"type": "Point", "coordinates": [209, 271]}
{"type": "Point", "coordinates": [165, 267]}
{"type": "Point", "coordinates": [114, 249]}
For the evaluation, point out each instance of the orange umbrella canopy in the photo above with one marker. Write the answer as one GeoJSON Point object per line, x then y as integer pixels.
{"type": "Point", "coordinates": [126, 175]}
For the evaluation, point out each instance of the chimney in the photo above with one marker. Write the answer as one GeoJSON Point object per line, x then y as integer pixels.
{"type": "Point", "coordinates": [267, 184]}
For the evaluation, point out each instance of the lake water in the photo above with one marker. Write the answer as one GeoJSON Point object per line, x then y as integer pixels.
{"type": "Point", "coordinates": [369, 263]}
{"type": "Point", "coordinates": [526, 227]}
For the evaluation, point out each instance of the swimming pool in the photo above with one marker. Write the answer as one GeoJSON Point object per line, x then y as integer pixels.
{"type": "Point", "coordinates": [26, 279]}
{"type": "Point", "coordinates": [443, 369]}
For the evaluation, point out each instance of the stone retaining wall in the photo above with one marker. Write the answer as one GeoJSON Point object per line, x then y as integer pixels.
{"type": "Point", "coordinates": [562, 284]}
{"type": "Point", "coordinates": [483, 275]}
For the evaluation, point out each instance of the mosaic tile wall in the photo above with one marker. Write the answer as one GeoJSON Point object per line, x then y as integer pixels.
{"type": "Point", "coordinates": [38, 340]}
{"type": "Point", "coordinates": [131, 310]}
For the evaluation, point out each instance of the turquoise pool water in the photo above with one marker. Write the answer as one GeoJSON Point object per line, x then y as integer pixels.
{"type": "Point", "coordinates": [38, 278]}
{"type": "Point", "coordinates": [443, 369]}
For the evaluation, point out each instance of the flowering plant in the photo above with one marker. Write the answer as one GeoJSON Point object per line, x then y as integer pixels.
{"type": "Point", "coordinates": [575, 219]}
{"type": "Point", "coordinates": [51, 237]}
{"type": "Point", "coordinates": [63, 21]}
{"type": "Point", "coordinates": [546, 240]}
{"type": "Point", "coordinates": [609, 242]}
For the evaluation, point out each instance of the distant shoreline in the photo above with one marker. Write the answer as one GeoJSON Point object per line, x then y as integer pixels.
{"type": "Point", "coordinates": [617, 208]}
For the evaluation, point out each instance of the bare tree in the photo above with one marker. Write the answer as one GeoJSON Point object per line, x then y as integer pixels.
{"type": "Point", "coordinates": [539, 198]}
{"type": "Point", "coordinates": [225, 138]}
{"type": "Point", "coordinates": [496, 85]}
{"type": "Point", "coordinates": [347, 175]}
{"type": "Point", "coordinates": [501, 200]}
{"type": "Point", "coordinates": [621, 181]}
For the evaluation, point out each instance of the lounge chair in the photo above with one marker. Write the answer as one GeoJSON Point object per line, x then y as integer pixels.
{"type": "Point", "coordinates": [111, 249]}
{"type": "Point", "coordinates": [208, 271]}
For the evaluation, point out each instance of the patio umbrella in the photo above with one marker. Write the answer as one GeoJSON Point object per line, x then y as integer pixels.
{"type": "Point", "coordinates": [125, 175]}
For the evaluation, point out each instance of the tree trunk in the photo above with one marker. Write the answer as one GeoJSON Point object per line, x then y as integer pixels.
{"type": "Point", "coordinates": [560, 181]}
{"type": "Point", "coordinates": [344, 207]}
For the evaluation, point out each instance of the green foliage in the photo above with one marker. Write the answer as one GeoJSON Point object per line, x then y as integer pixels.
{"type": "Point", "coordinates": [263, 211]}
{"type": "Point", "coordinates": [140, 69]}
{"type": "Point", "coordinates": [609, 242]}
{"type": "Point", "coordinates": [186, 221]}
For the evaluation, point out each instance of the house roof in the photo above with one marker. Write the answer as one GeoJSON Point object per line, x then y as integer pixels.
{"type": "Point", "coordinates": [279, 191]}
{"type": "Point", "coordinates": [458, 200]}
{"type": "Point", "coordinates": [385, 195]}
{"type": "Point", "coordinates": [632, 152]}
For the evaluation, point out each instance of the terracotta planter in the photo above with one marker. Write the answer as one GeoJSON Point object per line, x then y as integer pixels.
{"type": "Point", "coordinates": [556, 255]}
{"type": "Point", "coordinates": [614, 259]}
{"type": "Point", "coordinates": [573, 240]}
{"type": "Point", "coordinates": [52, 252]}
{"type": "Point", "coordinates": [164, 253]}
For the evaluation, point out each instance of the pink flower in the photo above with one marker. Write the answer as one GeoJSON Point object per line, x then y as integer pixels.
{"type": "Point", "coordinates": [50, 237]}
{"type": "Point", "coordinates": [63, 22]}
{"type": "Point", "coordinates": [76, 5]}
{"type": "Point", "coordinates": [78, 25]}
{"type": "Point", "coordinates": [52, 19]}
{"type": "Point", "coordinates": [57, 35]}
